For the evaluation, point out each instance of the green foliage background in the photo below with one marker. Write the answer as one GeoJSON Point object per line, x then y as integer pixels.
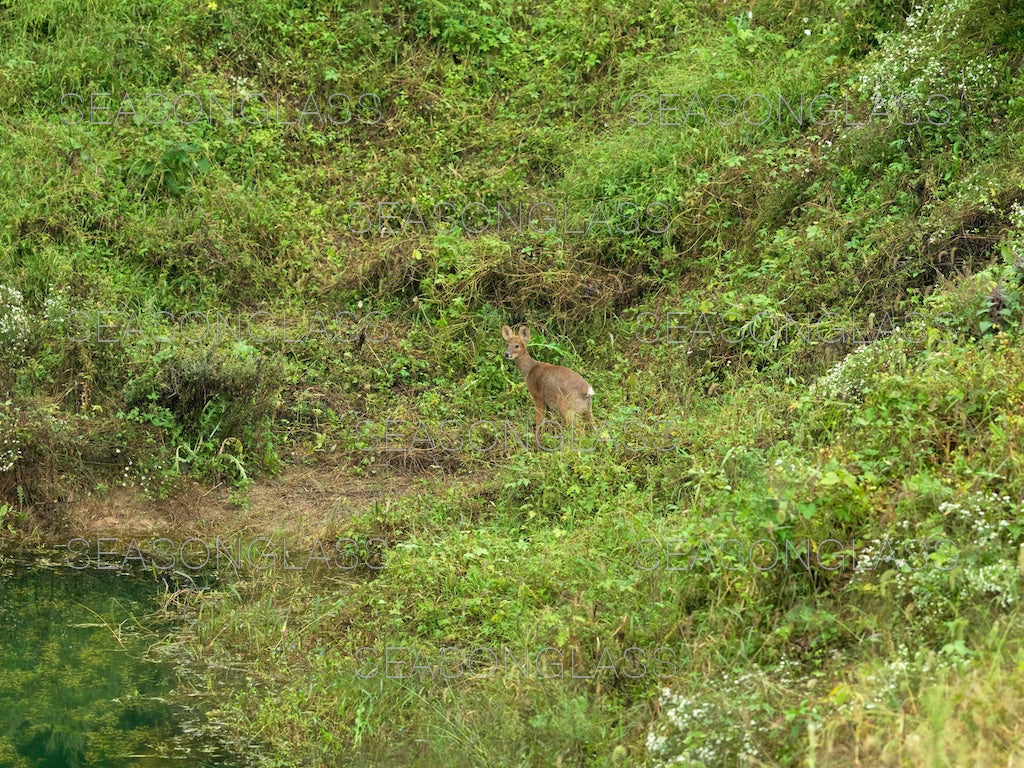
{"type": "Point", "coordinates": [895, 227]}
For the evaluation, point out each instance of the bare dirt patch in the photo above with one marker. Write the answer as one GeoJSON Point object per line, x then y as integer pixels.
{"type": "Point", "coordinates": [302, 502]}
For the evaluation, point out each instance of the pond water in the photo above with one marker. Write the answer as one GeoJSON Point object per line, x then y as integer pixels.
{"type": "Point", "coordinates": [78, 683]}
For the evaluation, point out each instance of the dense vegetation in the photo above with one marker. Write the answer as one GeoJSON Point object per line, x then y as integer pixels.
{"type": "Point", "coordinates": [796, 292]}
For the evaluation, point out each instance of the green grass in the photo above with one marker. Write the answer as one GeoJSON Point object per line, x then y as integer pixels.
{"type": "Point", "coordinates": [781, 438]}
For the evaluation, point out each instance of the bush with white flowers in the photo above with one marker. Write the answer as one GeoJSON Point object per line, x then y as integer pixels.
{"type": "Point", "coordinates": [10, 447]}
{"type": "Point", "coordinates": [721, 726]}
{"type": "Point", "coordinates": [57, 311]}
{"type": "Point", "coordinates": [984, 539]}
{"type": "Point", "coordinates": [847, 378]}
{"type": "Point", "coordinates": [993, 522]}
{"type": "Point", "coordinates": [928, 58]}
{"type": "Point", "coordinates": [14, 322]}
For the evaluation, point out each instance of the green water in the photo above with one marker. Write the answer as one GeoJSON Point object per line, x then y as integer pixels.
{"type": "Point", "coordinates": [78, 685]}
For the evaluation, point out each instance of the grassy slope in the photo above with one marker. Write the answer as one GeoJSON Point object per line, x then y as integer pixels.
{"type": "Point", "coordinates": [916, 435]}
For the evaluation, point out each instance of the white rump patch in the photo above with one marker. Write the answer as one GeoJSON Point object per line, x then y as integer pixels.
{"type": "Point", "coordinates": [590, 391]}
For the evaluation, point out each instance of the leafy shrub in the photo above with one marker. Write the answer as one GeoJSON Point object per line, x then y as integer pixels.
{"type": "Point", "coordinates": [212, 399]}
{"type": "Point", "coordinates": [14, 322]}
{"type": "Point", "coordinates": [939, 52]}
{"type": "Point", "coordinates": [725, 724]}
{"type": "Point", "coordinates": [847, 379]}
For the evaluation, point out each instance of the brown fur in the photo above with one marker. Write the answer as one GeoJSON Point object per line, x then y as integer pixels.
{"type": "Point", "coordinates": [552, 387]}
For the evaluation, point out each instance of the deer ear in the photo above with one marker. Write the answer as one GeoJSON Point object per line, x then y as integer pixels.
{"type": "Point", "coordinates": [525, 333]}
{"type": "Point", "coordinates": [506, 332]}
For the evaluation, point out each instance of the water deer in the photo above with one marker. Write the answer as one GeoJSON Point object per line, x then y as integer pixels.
{"type": "Point", "coordinates": [552, 387]}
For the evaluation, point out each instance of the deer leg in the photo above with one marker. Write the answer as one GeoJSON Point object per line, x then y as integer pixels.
{"type": "Point", "coordinates": [571, 419]}
{"type": "Point", "coordinates": [536, 428]}
{"type": "Point", "coordinates": [539, 409]}
{"type": "Point", "coordinates": [582, 419]}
